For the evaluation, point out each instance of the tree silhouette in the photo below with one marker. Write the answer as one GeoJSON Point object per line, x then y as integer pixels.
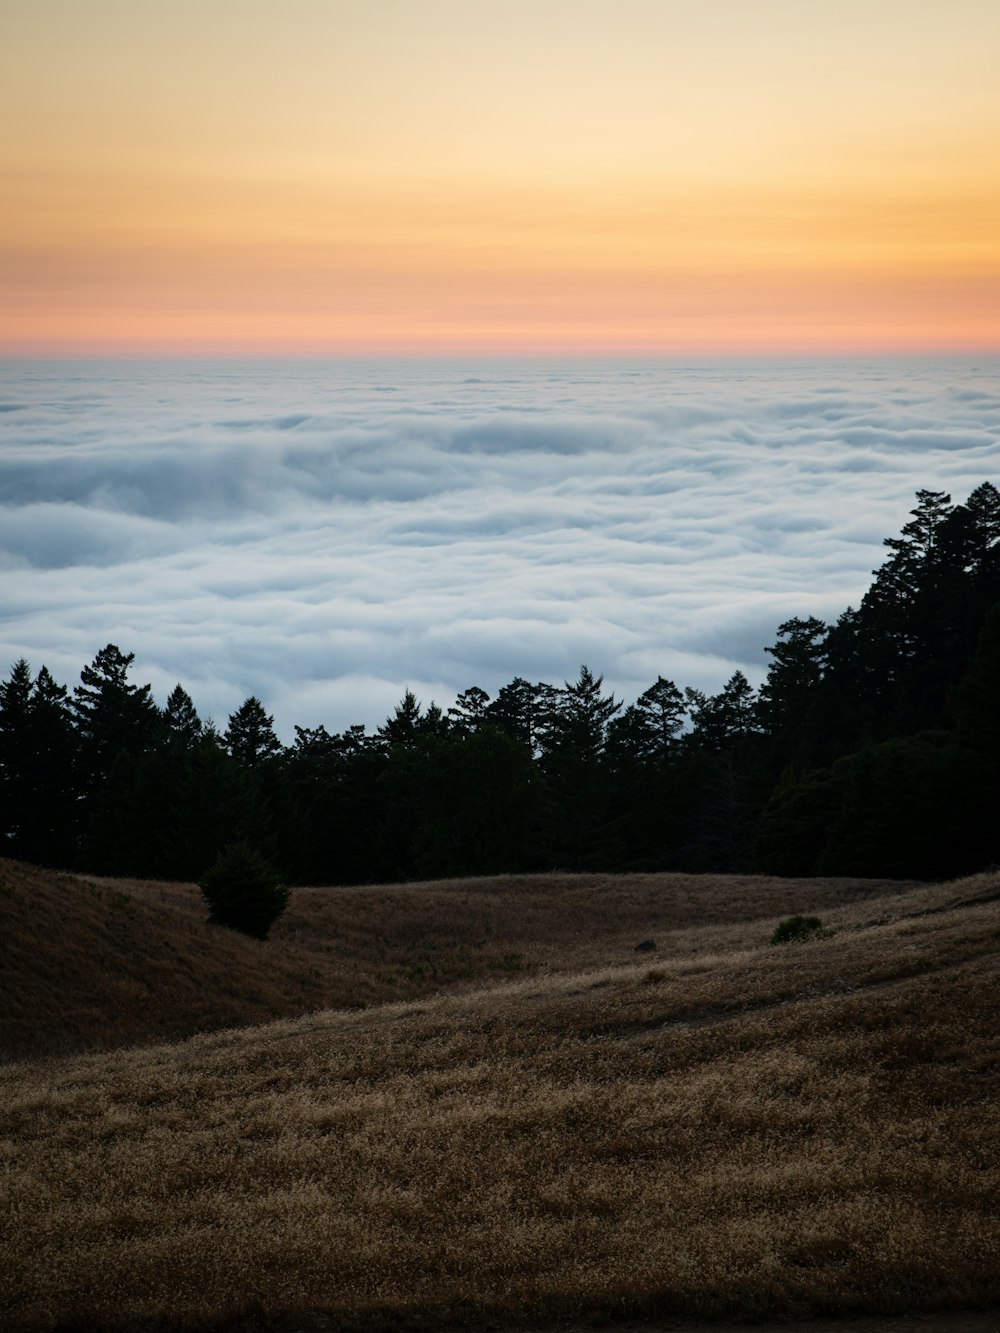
{"type": "Point", "coordinates": [250, 736]}
{"type": "Point", "coordinates": [470, 710]}
{"type": "Point", "coordinates": [38, 797]}
{"type": "Point", "coordinates": [112, 716]}
{"type": "Point", "coordinates": [403, 728]}
{"type": "Point", "coordinates": [572, 755]}
{"type": "Point", "coordinates": [720, 719]}
{"type": "Point", "coordinates": [180, 718]}
{"type": "Point", "coordinates": [871, 748]}
{"type": "Point", "coordinates": [664, 708]}
{"type": "Point", "coordinates": [243, 891]}
{"type": "Point", "coordinates": [785, 704]}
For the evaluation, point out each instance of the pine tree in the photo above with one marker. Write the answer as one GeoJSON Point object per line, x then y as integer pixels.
{"type": "Point", "coordinates": [786, 699]}
{"type": "Point", "coordinates": [664, 708]}
{"type": "Point", "coordinates": [181, 722]}
{"type": "Point", "coordinates": [523, 711]}
{"type": "Point", "coordinates": [38, 816]}
{"type": "Point", "coordinates": [983, 507]}
{"type": "Point", "coordinates": [250, 736]}
{"type": "Point", "coordinates": [470, 709]}
{"type": "Point", "coordinates": [403, 727]}
{"type": "Point", "coordinates": [579, 726]}
{"type": "Point", "coordinates": [720, 719]}
{"type": "Point", "coordinates": [112, 716]}
{"type": "Point", "coordinates": [16, 796]}
{"type": "Point", "coordinates": [632, 741]}
{"type": "Point", "coordinates": [573, 763]}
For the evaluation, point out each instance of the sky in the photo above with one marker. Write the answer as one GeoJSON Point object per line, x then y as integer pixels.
{"type": "Point", "coordinates": [326, 535]}
{"type": "Point", "coordinates": [456, 178]}
{"type": "Point", "coordinates": [355, 345]}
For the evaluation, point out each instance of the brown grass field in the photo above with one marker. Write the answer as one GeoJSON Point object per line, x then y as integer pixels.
{"type": "Point", "coordinates": [528, 1125]}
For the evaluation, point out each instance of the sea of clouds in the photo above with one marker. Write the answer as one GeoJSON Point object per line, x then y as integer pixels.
{"type": "Point", "coordinates": [326, 535]}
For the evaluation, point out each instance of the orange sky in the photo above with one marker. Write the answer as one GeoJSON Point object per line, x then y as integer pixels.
{"type": "Point", "coordinates": [420, 177]}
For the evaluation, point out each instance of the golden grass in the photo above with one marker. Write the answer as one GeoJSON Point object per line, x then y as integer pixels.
{"type": "Point", "coordinates": [726, 1130]}
{"type": "Point", "coordinates": [98, 964]}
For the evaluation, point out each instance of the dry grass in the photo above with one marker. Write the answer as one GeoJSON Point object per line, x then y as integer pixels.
{"type": "Point", "coordinates": [99, 964]}
{"type": "Point", "coordinates": [728, 1130]}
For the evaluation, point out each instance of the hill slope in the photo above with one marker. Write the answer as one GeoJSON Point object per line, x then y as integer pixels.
{"type": "Point", "coordinates": [98, 964]}
{"type": "Point", "coordinates": [732, 1130]}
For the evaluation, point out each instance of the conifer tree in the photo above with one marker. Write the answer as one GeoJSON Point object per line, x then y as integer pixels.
{"type": "Point", "coordinates": [470, 709]}
{"type": "Point", "coordinates": [720, 719]}
{"type": "Point", "coordinates": [786, 699]}
{"type": "Point", "coordinates": [572, 762]}
{"type": "Point", "coordinates": [579, 726]}
{"type": "Point", "coordinates": [523, 711]}
{"type": "Point", "coordinates": [250, 736]}
{"type": "Point", "coordinates": [983, 508]}
{"type": "Point", "coordinates": [664, 708]}
{"type": "Point", "coordinates": [403, 727]}
{"type": "Point", "coordinates": [182, 724]}
{"type": "Point", "coordinates": [16, 796]}
{"type": "Point", "coordinates": [243, 891]}
{"type": "Point", "coordinates": [38, 816]}
{"type": "Point", "coordinates": [112, 716]}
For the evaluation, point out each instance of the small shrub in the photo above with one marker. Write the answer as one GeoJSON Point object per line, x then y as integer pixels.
{"type": "Point", "coordinates": [243, 891]}
{"type": "Point", "coordinates": [797, 928]}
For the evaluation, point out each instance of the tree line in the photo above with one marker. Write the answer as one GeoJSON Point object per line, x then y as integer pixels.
{"type": "Point", "coordinates": [870, 749]}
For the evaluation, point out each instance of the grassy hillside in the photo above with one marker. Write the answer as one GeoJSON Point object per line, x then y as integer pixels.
{"type": "Point", "coordinates": [93, 964]}
{"type": "Point", "coordinates": [726, 1129]}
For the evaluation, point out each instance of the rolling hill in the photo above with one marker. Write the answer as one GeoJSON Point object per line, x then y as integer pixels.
{"type": "Point", "coordinates": [721, 1129]}
{"type": "Point", "coordinates": [97, 964]}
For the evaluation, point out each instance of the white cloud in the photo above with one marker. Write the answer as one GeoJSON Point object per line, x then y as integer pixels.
{"type": "Point", "coordinates": [325, 536]}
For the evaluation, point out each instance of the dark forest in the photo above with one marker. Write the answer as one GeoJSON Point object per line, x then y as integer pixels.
{"type": "Point", "coordinates": [872, 748]}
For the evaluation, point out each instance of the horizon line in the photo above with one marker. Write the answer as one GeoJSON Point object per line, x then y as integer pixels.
{"type": "Point", "coordinates": [646, 356]}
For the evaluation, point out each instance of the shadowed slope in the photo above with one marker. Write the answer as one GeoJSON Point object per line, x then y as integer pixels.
{"type": "Point", "coordinates": [96, 964]}
{"type": "Point", "coordinates": [740, 1130]}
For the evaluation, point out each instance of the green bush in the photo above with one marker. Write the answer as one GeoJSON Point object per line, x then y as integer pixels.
{"type": "Point", "coordinates": [797, 928]}
{"type": "Point", "coordinates": [243, 891]}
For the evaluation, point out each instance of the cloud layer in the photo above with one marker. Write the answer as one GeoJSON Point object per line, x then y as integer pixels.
{"type": "Point", "coordinates": [324, 536]}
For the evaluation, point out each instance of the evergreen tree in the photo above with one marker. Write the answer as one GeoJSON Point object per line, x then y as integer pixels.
{"type": "Point", "coordinates": [181, 722]}
{"type": "Point", "coordinates": [572, 761]}
{"type": "Point", "coordinates": [983, 509]}
{"type": "Point", "coordinates": [250, 736]}
{"type": "Point", "coordinates": [434, 722]}
{"type": "Point", "coordinates": [580, 721]}
{"type": "Point", "coordinates": [403, 728]}
{"type": "Point", "coordinates": [721, 719]}
{"type": "Point", "coordinates": [642, 755]}
{"type": "Point", "coordinates": [786, 700]}
{"type": "Point", "coordinates": [15, 743]}
{"type": "Point", "coordinates": [210, 802]}
{"type": "Point", "coordinates": [470, 710]}
{"type": "Point", "coordinates": [904, 619]}
{"type": "Point", "coordinates": [112, 716]}
{"type": "Point", "coordinates": [632, 742]}
{"type": "Point", "coordinates": [243, 891]}
{"type": "Point", "coordinates": [38, 816]}
{"type": "Point", "coordinates": [524, 711]}
{"type": "Point", "coordinates": [664, 708]}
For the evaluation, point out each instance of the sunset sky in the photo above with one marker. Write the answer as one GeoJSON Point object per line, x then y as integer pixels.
{"type": "Point", "coordinates": [440, 177]}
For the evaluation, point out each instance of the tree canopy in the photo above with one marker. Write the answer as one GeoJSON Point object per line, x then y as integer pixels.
{"type": "Point", "coordinates": [869, 748]}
